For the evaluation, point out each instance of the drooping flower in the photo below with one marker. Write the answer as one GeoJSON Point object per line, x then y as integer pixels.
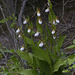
{"type": "Point", "coordinates": [22, 48]}
{"type": "Point", "coordinates": [54, 37]}
{"type": "Point", "coordinates": [29, 30]}
{"type": "Point", "coordinates": [54, 22]}
{"type": "Point", "coordinates": [40, 21]}
{"type": "Point", "coordinates": [41, 44]}
{"type": "Point", "coordinates": [47, 10]}
{"type": "Point", "coordinates": [57, 21]}
{"type": "Point", "coordinates": [38, 13]}
{"type": "Point", "coordinates": [18, 30]}
{"type": "Point", "coordinates": [25, 22]}
{"type": "Point", "coordinates": [19, 36]}
{"type": "Point", "coordinates": [53, 31]}
{"type": "Point", "coordinates": [36, 34]}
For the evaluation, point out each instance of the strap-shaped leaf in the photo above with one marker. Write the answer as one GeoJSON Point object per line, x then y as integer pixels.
{"type": "Point", "coordinates": [26, 72]}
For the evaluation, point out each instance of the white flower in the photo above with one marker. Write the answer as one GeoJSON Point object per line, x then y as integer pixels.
{"type": "Point", "coordinates": [57, 21]}
{"type": "Point", "coordinates": [19, 36]}
{"type": "Point", "coordinates": [54, 22]}
{"type": "Point", "coordinates": [47, 10]}
{"type": "Point", "coordinates": [29, 30]}
{"type": "Point", "coordinates": [41, 44]}
{"type": "Point", "coordinates": [25, 22]}
{"type": "Point", "coordinates": [40, 21]}
{"type": "Point", "coordinates": [38, 13]}
{"type": "Point", "coordinates": [22, 48]}
{"type": "Point", "coordinates": [54, 37]}
{"type": "Point", "coordinates": [18, 30]}
{"type": "Point", "coordinates": [37, 33]}
{"type": "Point", "coordinates": [53, 31]}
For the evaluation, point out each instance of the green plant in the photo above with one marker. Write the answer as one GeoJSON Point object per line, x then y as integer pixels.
{"type": "Point", "coordinates": [41, 56]}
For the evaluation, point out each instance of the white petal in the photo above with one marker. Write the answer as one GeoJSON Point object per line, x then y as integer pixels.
{"type": "Point", "coordinates": [54, 37]}
{"type": "Point", "coordinates": [53, 32]}
{"type": "Point", "coordinates": [19, 36]}
{"type": "Point", "coordinates": [17, 31]}
{"type": "Point", "coordinates": [36, 34]}
{"type": "Point", "coordinates": [38, 14]}
{"type": "Point", "coordinates": [40, 22]}
{"type": "Point", "coordinates": [22, 48]}
{"type": "Point", "coordinates": [47, 10]}
{"type": "Point", "coordinates": [54, 22]}
{"type": "Point", "coordinates": [41, 44]}
{"type": "Point", "coordinates": [57, 21]}
{"type": "Point", "coordinates": [25, 22]}
{"type": "Point", "coordinates": [29, 30]}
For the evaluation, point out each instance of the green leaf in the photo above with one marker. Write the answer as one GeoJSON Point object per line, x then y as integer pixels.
{"type": "Point", "coordinates": [31, 25]}
{"type": "Point", "coordinates": [58, 64]}
{"type": "Point", "coordinates": [72, 67]}
{"type": "Point", "coordinates": [59, 43]}
{"type": "Point", "coordinates": [3, 20]}
{"type": "Point", "coordinates": [66, 71]}
{"type": "Point", "coordinates": [71, 59]}
{"type": "Point", "coordinates": [45, 36]}
{"type": "Point", "coordinates": [72, 46]}
{"type": "Point", "coordinates": [50, 4]}
{"type": "Point", "coordinates": [25, 56]}
{"type": "Point", "coordinates": [12, 24]}
{"type": "Point", "coordinates": [10, 17]}
{"type": "Point", "coordinates": [39, 27]}
{"type": "Point", "coordinates": [44, 68]}
{"type": "Point", "coordinates": [26, 72]}
{"type": "Point", "coordinates": [41, 54]}
{"type": "Point", "coordinates": [74, 41]}
{"type": "Point", "coordinates": [29, 41]}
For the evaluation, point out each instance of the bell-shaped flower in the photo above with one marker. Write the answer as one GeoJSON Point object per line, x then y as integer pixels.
{"type": "Point", "coordinates": [22, 48]}
{"type": "Point", "coordinates": [18, 30]}
{"type": "Point", "coordinates": [36, 34]}
{"type": "Point", "coordinates": [53, 31]}
{"type": "Point", "coordinates": [54, 37]}
{"type": "Point", "coordinates": [41, 44]}
{"type": "Point", "coordinates": [47, 10]}
{"type": "Point", "coordinates": [57, 21]}
{"type": "Point", "coordinates": [25, 22]}
{"type": "Point", "coordinates": [38, 13]}
{"type": "Point", "coordinates": [19, 36]}
{"type": "Point", "coordinates": [40, 21]}
{"type": "Point", "coordinates": [54, 22]}
{"type": "Point", "coordinates": [29, 30]}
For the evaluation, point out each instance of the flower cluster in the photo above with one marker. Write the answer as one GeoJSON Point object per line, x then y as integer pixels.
{"type": "Point", "coordinates": [54, 22]}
